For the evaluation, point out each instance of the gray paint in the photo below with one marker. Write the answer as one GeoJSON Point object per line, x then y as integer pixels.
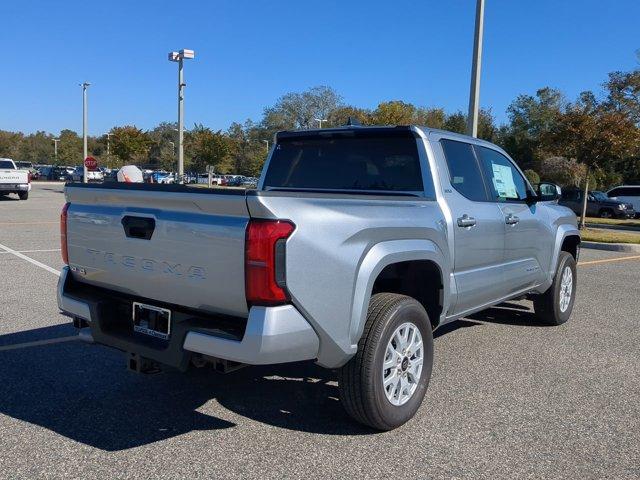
{"type": "Point", "coordinates": [340, 244]}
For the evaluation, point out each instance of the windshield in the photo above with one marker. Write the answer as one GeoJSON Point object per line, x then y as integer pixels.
{"type": "Point", "coordinates": [363, 162]}
{"type": "Point", "coordinates": [599, 196]}
{"type": "Point", "coordinates": [6, 164]}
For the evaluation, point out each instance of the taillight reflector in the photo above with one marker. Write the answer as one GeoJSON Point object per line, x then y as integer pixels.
{"type": "Point", "coordinates": [63, 233]}
{"type": "Point", "coordinates": [264, 261]}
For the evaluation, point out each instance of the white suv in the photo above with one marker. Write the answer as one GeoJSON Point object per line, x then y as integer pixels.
{"type": "Point", "coordinates": [627, 194]}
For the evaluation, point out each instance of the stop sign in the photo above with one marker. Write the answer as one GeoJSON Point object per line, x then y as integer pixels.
{"type": "Point", "coordinates": [91, 163]}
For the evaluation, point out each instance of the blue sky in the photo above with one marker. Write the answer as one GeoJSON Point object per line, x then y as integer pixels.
{"type": "Point", "coordinates": [250, 53]}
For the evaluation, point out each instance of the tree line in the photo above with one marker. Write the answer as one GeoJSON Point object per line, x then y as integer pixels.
{"type": "Point", "coordinates": [595, 137]}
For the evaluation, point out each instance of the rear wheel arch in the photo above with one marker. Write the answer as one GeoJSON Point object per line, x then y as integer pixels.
{"type": "Point", "coordinates": [384, 261]}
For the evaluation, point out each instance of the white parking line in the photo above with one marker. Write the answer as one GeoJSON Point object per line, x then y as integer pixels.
{"type": "Point", "coordinates": [38, 343]}
{"type": "Point", "coordinates": [29, 259]}
{"type": "Point", "coordinates": [36, 251]}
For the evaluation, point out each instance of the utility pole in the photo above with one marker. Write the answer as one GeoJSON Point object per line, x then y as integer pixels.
{"type": "Point", "coordinates": [476, 68]}
{"type": "Point", "coordinates": [109, 148]}
{"type": "Point", "coordinates": [179, 57]}
{"type": "Point", "coordinates": [85, 153]}
{"type": "Point", "coordinates": [55, 149]}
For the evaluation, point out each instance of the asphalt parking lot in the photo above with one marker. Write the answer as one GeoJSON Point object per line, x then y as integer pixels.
{"type": "Point", "coordinates": [508, 398]}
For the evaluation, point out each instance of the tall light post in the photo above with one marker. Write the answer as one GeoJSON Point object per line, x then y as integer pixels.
{"type": "Point", "coordinates": [55, 149]}
{"type": "Point", "coordinates": [179, 57]}
{"type": "Point", "coordinates": [267, 142]}
{"type": "Point", "coordinates": [109, 148]}
{"type": "Point", "coordinates": [85, 153]}
{"type": "Point", "coordinates": [476, 68]}
{"type": "Point", "coordinates": [320, 120]}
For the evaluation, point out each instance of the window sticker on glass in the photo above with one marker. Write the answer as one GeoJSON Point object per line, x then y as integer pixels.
{"type": "Point", "coordinates": [503, 181]}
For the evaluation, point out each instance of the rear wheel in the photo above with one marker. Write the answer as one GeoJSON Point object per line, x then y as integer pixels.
{"type": "Point", "coordinates": [383, 385]}
{"type": "Point", "coordinates": [606, 213]}
{"type": "Point", "coordinates": [23, 195]}
{"type": "Point", "coordinates": [554, 306]}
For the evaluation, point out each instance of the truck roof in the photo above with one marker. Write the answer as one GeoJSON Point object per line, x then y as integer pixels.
{"type": "Point", "coordinates": [380, 128]}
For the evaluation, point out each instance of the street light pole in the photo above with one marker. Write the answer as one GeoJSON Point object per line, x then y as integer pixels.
{"type": "Point", "coordinates": [55, 149]}
{"type": "Point", "coordinates": [179, 57]}
{"type": "Point", "coordinates": [320, 120]}
{"type": "Point", "coordinates": [476, 68]}
{"type": "Point", "coordinates": [109, 148]}
{"type": "Point", "coordinates": [267, 142]}
{"type": "Point", "coordinates": [84, 85]}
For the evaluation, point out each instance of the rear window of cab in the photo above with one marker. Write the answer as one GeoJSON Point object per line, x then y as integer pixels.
{"type": "Point", "coordinates": [347, 161]}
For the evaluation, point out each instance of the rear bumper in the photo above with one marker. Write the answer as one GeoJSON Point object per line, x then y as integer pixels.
{"type": "Point", "coordinates": [270, 335]}
{"type": "Point", "coordinates": [15, 187]}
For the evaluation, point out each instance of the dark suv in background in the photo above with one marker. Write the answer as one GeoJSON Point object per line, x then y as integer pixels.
{"type": "Point", "coordinates": [598, 204]}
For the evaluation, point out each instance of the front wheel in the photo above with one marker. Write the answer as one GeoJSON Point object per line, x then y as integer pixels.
{"type": "Point", "coordinates": [554, 306]}
{"type": "Point", "coordinates": [383, 385]}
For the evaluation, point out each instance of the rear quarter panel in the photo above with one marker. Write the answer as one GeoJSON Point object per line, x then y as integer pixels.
{"type": "Point", "coordinates": [340, 244]}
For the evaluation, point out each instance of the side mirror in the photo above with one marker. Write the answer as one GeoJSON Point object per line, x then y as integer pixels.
{"type": "Point", "coordinates": [548, 192]}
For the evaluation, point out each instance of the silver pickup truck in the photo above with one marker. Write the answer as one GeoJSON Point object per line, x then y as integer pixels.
{"type": "Point", "coordinates": [356, 245]}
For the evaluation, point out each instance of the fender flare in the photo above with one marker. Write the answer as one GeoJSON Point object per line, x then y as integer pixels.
{"type": "Point", "coordinates": [375, 260]}
{"type": "Point", "coordinates": [563, 232]}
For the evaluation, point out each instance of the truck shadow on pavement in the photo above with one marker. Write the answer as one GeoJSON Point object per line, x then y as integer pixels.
{"type": "Point", "coordinates": [85, 393]}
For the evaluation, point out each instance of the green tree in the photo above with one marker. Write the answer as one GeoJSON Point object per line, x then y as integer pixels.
{"type": "Point", "coordinates": [130, 144]}
{"type": "Point", "coordinates": [530, 119]}
{"type": "Point", "coordinates": [624, 93]}
{"type": "Point", "coordinates": [69, 148]}
{"type": "Point", "coordinates": [206, 147]}
{"type": "Point", "coordinates": [532, 176]}
{"type": "Point", "coordinates": [300, 110]}
{"type": "Point", "coordinates": [10, 144]}
{"type": "Point", "coordinates": [395, 112]}
{"type": "Point", "coordinates": [594, 135]}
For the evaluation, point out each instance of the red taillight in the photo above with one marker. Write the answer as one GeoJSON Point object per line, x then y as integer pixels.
{"type": "Point", "coordinates": [264, 261]}
{"type": "Point", "coordinates": [63, 233]}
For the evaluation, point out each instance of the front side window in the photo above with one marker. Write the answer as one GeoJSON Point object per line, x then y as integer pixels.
{"type": "Point", "coordinates": [506, 183]}
{"type": "Point", "coordinates": [464, 171]}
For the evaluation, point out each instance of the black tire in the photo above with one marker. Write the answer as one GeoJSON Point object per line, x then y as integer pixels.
{"type": "Point", "coordinates": [606, 213]}
{"type": "Point", "coordinates": [547, 305]}
{"type": "Point", "coordinates": [360, 380]}
{"type": "Point", "coordinates": [23, 195]}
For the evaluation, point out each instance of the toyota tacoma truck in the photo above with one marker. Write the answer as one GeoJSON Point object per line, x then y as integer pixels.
{"type": "Point", "coordinates": [357, 243]}
{"type": "Point", "coordinates": [14, 180]}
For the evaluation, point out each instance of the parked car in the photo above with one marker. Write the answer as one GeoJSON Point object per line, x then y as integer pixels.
{"type": "Point", "coordinates": [350, 253]}
{"type": "Point", "coordinates": [77, 175]}
{"type": "Point", "coordinates": [29, 166]}
{"type": "Point", "coordinates": [112, 176]}
{"type": "Point", "coordinates": [13, 179]}
{"type": "Point", "coordinates": [598, 204]}
{"type": "Point", "coordinates": [54, 173]}
{"type": "Point", "coordinates": [629, 194]}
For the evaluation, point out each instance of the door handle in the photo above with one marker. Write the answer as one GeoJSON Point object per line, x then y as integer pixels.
{"type": "Point", "coordinates": [466, 221]}
{"type": "Point", "coordinates": [511, 219]}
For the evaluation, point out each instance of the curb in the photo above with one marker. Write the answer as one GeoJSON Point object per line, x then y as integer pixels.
{"type": "Point", "coordinates": [612, 247]}
{"type": "Point", "coordinates": [613, 227]}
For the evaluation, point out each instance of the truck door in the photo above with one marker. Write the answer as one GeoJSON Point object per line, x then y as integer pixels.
{"type": "Point", "coordinates": [529, 238]}
{"type": "Point", "coordinates": [478, 229]}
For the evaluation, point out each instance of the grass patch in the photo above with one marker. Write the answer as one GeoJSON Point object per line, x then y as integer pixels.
{"type": "Point", "coordinates": [609, 236]}
{"type": "Point", "coordinates": [613, 221]}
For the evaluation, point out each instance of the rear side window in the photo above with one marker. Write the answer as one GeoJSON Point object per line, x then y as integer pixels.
{"type": "Point", "coordinates": [348, 161]}
{"type": "Point", "coordinates": [464, 171]}
{"type": "Point", "coordinates": [505, 181]}
{"type": "Point", "coordinates": [6, 164]}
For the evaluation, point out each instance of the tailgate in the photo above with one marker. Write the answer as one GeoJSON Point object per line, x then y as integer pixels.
{"type": "Point", "coordinates": [14, 176]}
{"type": "Point", "coordinates": [171, 244]}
